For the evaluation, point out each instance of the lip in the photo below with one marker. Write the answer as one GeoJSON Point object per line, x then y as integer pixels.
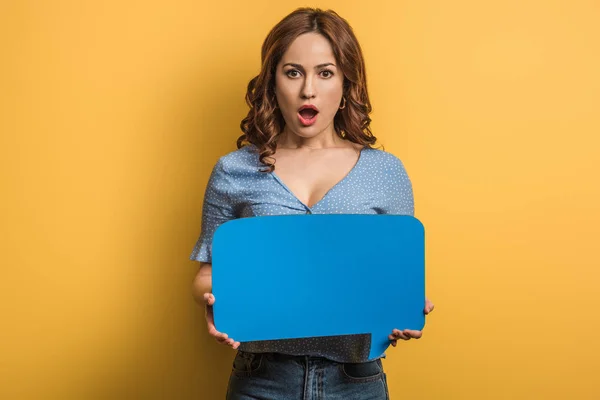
{"type": "Point", "coordinates": [310, 106]}
{"type": "Point", "coordinates": [309, 121]}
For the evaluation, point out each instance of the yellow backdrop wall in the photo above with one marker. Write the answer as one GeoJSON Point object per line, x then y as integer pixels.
{"type": "Point", "coordinates": [113, 114]}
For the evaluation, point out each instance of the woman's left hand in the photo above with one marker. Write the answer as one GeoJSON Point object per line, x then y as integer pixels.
{"type": "Point", "coordinates": [408, 334]}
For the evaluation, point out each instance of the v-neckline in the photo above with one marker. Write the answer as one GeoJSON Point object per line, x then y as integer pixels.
{"type": "Point", "coordinates": [282, 183]}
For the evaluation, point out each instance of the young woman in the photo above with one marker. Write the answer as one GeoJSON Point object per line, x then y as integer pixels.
{"type": "Point", "coordinates": [305, 148]}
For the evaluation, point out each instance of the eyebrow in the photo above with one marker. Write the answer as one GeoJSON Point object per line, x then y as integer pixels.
{"type": "Point", "coordinates": [301, 68]}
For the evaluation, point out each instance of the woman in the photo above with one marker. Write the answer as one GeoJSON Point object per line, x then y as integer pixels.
{"type": "Point", "coordinates": [309, 117]}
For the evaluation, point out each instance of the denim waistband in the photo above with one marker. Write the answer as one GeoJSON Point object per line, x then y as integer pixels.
{"type": "Point", "coordinates": [289, 357]}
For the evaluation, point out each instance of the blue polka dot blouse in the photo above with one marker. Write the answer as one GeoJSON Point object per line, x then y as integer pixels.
{"type": "Point", "coordinates": [377, 184]}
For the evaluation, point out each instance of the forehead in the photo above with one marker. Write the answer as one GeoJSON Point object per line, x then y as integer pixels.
{"type": "Point", "coordinates": [309, 48]}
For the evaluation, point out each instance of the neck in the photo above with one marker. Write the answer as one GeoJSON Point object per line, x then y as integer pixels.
{"type": "Point", "coordinates": [323, 140]}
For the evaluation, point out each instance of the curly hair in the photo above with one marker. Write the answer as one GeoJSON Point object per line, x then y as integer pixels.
{"type": "Point", "coordinates": [264, 122]}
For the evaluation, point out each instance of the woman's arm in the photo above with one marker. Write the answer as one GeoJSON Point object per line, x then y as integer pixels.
{"type": "Point", "coordinates": [202, 283]}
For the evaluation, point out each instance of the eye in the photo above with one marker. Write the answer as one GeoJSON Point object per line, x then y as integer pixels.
{"type": "Point", "coordinates": [290, 71]}
{"type": "Point", "coordinates": [329, 72]}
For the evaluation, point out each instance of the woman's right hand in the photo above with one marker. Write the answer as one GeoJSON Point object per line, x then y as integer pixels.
{"type": "Point", "coordinates": [222, 338]}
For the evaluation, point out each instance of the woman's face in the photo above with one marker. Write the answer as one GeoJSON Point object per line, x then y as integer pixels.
{"type": "Point", "coordinates": [308, 74]}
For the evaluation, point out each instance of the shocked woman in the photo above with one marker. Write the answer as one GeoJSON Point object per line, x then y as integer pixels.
{"type": "Point", "coordinates": [306, 148]}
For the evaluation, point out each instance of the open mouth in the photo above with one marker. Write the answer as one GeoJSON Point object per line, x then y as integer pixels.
{"type": "Point", "coordinates": [307, 116]}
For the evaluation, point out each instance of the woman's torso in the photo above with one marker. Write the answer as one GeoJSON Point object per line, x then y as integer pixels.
{"type": "Point", "coordinates": [374, 182]}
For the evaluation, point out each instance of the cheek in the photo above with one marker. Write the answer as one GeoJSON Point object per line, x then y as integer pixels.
{"type": "Point", "coordinates": [332, 88]}
{"type": "Point", "coordinates": [286, 97]}
{"type": "Point", "coordinates": [332, 98]}
{"type": "Point", "coordinates": [281, 90]}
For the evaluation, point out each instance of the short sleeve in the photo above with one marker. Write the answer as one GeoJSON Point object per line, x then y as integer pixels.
{"type": "Point", "coordinates": [217, 209]}
{"type": "Point", "coordinates": [399, 199]}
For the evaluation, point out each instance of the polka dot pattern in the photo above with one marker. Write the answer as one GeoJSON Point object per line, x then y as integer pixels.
{"type": "Point", "coordinates": [377, 184]}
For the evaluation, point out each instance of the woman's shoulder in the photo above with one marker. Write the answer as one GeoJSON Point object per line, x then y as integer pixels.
{"type": "Point", "coordinates": [233, 170]}
{"type": "Point", "coordinates": [239, 160]}
{"type": "Point", "coordinates": [382, 159]}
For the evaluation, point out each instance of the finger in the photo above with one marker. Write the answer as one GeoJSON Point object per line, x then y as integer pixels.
{"type": "Point", "coordinates": [219, 337]}
{"type": "Point", "coordinates": [394, 343]}
{"type": "Point", "coordinates": [212, 329]}
{"type": "Point", "coordinates": [210, 325]}
{"type": "Point", "coordinates": [216, 334]}
{"type": "Point", "coordinates": [413, 334]}
{"type": "Point", "coordinates": [210, 322]}
{"type": "Point", "coordinates": [222, 338]}
{"type": "Point", "coordinates": [228, 342]}
{"type": "Point", "coordinates": [398, 334]}
{"type": "Point", "coordinates": [428, 306]}
{"type": "Point", "coordinates": [401, 335]}
{"type": "Point", "coordinates": [236, 345]}
{"type": "Point", "coordinates": [209, 299]}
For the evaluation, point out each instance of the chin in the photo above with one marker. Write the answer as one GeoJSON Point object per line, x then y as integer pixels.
{"type": "Point", "coordinates": [307, 132]}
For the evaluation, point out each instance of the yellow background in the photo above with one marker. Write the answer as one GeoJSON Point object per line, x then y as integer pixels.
{"type": "Point", "coordinates": [114, 112]}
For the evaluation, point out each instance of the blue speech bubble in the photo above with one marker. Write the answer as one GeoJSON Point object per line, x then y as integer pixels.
{"type": "Point", "coordinates": [297, 276]}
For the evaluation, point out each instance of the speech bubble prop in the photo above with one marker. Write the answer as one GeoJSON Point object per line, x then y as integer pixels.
{"type": "Point", "coordinates": [297, 276]}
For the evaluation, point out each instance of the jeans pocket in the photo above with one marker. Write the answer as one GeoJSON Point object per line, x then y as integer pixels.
{"type": "Point", "coordinates": [362, 372]}
{"type": "Point", "coordinates": [247, 364]}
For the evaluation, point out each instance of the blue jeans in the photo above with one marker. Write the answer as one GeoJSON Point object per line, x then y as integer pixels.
{"type": "Point", "coordinates": [274, 376]}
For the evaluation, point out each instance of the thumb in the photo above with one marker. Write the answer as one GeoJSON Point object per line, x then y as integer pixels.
{"type": "Point", "coordinates": [210, 320]}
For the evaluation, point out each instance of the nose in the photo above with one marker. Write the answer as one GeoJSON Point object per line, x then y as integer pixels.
{"type": "Point", "coordinates": [308, 90]}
